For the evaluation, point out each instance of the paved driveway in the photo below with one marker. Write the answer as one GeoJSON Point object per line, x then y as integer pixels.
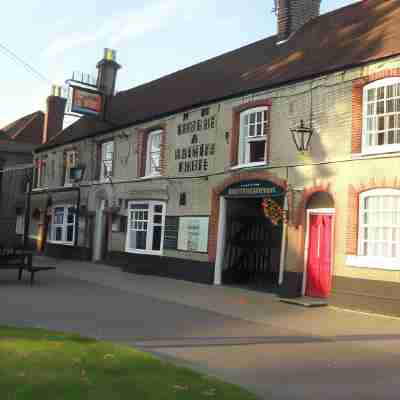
{"type": "Point", "coordinates": [276, 350]}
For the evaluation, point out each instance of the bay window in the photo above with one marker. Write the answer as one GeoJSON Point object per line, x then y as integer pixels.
{"type": "Point", "coordinates": [381, 110]}
{"type": "Point", "coordinates": [145, 229]}
{"type": "Point", "coordinates": [61, 228]}
{"type": "Point", "coordinates": [253, 136]}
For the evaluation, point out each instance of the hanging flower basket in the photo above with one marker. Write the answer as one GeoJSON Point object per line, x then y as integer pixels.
{"type": "Point", "coordinates": [36, 214]}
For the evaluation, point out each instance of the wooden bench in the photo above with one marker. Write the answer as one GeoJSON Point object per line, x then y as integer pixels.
{"type": "Point", "coordinates": [23, 262]}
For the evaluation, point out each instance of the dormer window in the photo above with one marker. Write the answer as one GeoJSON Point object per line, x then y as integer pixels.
{"type": "Point", "coordinates": [381, 116]}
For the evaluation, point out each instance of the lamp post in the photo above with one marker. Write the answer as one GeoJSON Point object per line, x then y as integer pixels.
{"type": "Point", "coordinates": [76, 176]}
{"type": "Point", "coordinates": [301, 136]}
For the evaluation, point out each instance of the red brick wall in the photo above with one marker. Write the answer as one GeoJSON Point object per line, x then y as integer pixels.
{"type": "Point", "coordinates": [217, 190]}
{"type": "Point", "coordinates": [234, 139]}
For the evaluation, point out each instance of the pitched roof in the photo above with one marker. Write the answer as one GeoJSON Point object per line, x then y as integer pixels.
{"type": "Point", "coordinates": [28, 129]}
{"type": "Point", "coordinates": [354, 35]}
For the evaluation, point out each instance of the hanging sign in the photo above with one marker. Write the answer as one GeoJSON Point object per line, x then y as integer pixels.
{"type": "Point", "coordinates": [85, 101]}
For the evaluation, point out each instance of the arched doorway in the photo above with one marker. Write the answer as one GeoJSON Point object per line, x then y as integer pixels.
{"type": "Point", "coordinates": [249, 239]}
{"type": "Point", "coordinates": [319, 245]}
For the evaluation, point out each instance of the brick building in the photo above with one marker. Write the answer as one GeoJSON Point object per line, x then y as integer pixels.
{"type": "Point", "coordinates": [196, 175]}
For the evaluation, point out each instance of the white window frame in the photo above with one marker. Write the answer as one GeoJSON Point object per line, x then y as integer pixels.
{"type": "Point", "coordinates": [385, 148]}
{"type": "Point", "coordinates": [244, 141]}
{"type": "Point", "coordinates": [42, 173]}
{"type": "Point", "coordinates": [105, 160]}
{"type": "Point", "coordinates": [64, 225]}
{"type": "Point", "coordinates": [67, 180]}
{"type": "Point", "coordinates": [20, 224]}
{"type": "Point", "coordinates": [375, 262]}
{"type": "Point", "coordinates": [150, 226]}
{"type": "Point", "coordinates": [150, 170]}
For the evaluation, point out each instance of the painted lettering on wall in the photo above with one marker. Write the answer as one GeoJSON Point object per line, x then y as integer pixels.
{"type": "Point", "coordinates": [197, 125]}
{"type": "Point", "coordinates": [194, 157]}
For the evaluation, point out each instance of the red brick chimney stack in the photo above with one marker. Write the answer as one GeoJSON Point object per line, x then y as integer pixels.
{"type": "Point", "coordinates": [54, 117]}
{"type": "Point", "coordinates": [293, 14]}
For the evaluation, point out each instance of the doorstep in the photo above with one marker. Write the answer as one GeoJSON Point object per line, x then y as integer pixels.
{"type": "Point", "coordinates": [305, 301]}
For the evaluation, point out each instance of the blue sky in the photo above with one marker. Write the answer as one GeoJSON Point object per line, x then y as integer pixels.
{"type": "Point", "coordinates": [152, 38]}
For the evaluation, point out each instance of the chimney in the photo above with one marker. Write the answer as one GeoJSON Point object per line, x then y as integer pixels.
{"type": "Point", "coordinates": [54, 117]}
{"type": "Point", "coordinates": [293, 14]}
{"type": "Point", "coordinates": [107, 72]}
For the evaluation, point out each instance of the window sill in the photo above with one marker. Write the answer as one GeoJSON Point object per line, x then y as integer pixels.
{"type": "Point", "coordinates": [386, 263]}
{"type": "Point", "coordinates": [377, 150]}
{"type": "Point", "coordinates": [249, 165]}
{"type": "Point", "coordinates": [60, 243]}
{"type": "Point", "coordinates": [148, 252]}
{"type": "Point", "coordinates": [152, 176]}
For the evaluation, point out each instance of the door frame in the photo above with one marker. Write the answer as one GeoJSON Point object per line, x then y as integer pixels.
{"type": "Point", "coordinates": [98, 232]}
{"type": "Point", "coordinates": [317, 211]}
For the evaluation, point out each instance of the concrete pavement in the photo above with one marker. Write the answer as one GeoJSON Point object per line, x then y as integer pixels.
{"type": "Point", "coordinates": [276, 350]}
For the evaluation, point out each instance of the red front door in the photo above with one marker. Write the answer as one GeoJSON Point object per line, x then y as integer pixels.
{"type": "Point", "coordinates": [319, 275]}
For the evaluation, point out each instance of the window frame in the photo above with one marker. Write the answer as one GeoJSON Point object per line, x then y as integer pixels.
{"type": "Point", "coordinates": [386, 147]}
{"type": "Point", "coordinates": [243, 149]}
{"type": "Point", "coordinates": [103, 152]}
{"type": "Point", "coordinates": [41, 171]}
{"type": "Point", "coordinates": [373, 261]}
{"type": "Point", "coordinates": [150, 227]}
{"type": "Point", "coordinates": [67, 180]}
{"type": "Point", "coordinates": [148, 169]}
{"type": "Point", "coordinates": [64, 225]}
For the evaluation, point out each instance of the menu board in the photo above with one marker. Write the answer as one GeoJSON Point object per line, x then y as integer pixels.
{"type": "Point", "coordinates": [193, 234]}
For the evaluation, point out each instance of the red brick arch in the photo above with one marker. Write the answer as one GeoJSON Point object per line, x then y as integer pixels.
{"type": "Point", "coordinates": [216, 192]}
{"type": "Point", "coordinates": [300, 216]}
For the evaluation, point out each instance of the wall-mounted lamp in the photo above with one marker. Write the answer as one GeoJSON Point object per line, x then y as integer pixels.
{"type": "Point", "coordinates": [182, 199]}
{"type": "Point", "coordinates": [301, 136]}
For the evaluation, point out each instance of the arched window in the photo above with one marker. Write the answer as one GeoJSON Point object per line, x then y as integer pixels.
{"type": "Point", "coordinates": [253, 135]}
{"type": "Point", "coordinates": [381, 116]}
{"type": "Point", "coordinates": [153, 153]}
{"type": "Point", "coordinates": [379, 224]}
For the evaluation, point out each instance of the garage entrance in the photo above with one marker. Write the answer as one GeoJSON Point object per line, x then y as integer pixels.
{"type": "Point", "coordinates": [252, 235]}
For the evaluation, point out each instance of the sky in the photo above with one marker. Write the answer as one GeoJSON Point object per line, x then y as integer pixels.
{"type": "Point", "coordinates": [152, 38]}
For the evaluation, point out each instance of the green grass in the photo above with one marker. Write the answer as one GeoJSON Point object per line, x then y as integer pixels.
{"type": "Point", "coordinates": [37, 364]}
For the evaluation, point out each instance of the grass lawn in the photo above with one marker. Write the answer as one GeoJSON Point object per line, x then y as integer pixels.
{"type": "Point", "coordinates": [40, 365]}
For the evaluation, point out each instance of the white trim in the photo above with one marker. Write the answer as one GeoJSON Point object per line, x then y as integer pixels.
{"type": "Point", "coordinates": [370, 262]}
{"type": "Point", "coordinates": [103, 178]}
{"type": "Point", "coordinates": [148, 173]}
{"type": "Point", "coordinates": [150, 227]}
{"type": "Point", "coordinates": [385, 148]}
{"type": "Point", "coordinates": [325, 211]}
{"type": "Point", "coordinates": [380, 192]}
{"type": "Point", "coordinates": [64, 225]}
{"type": "Point", "coordinates": [221, 241]}
{"type": "Point", "coordinates": [250, 165]}
{"type": "Point", "coordinates": [283, 243]}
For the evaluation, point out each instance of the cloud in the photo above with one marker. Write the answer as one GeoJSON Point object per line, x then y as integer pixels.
{"type": "Point", "coordinates": [151, 18]}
